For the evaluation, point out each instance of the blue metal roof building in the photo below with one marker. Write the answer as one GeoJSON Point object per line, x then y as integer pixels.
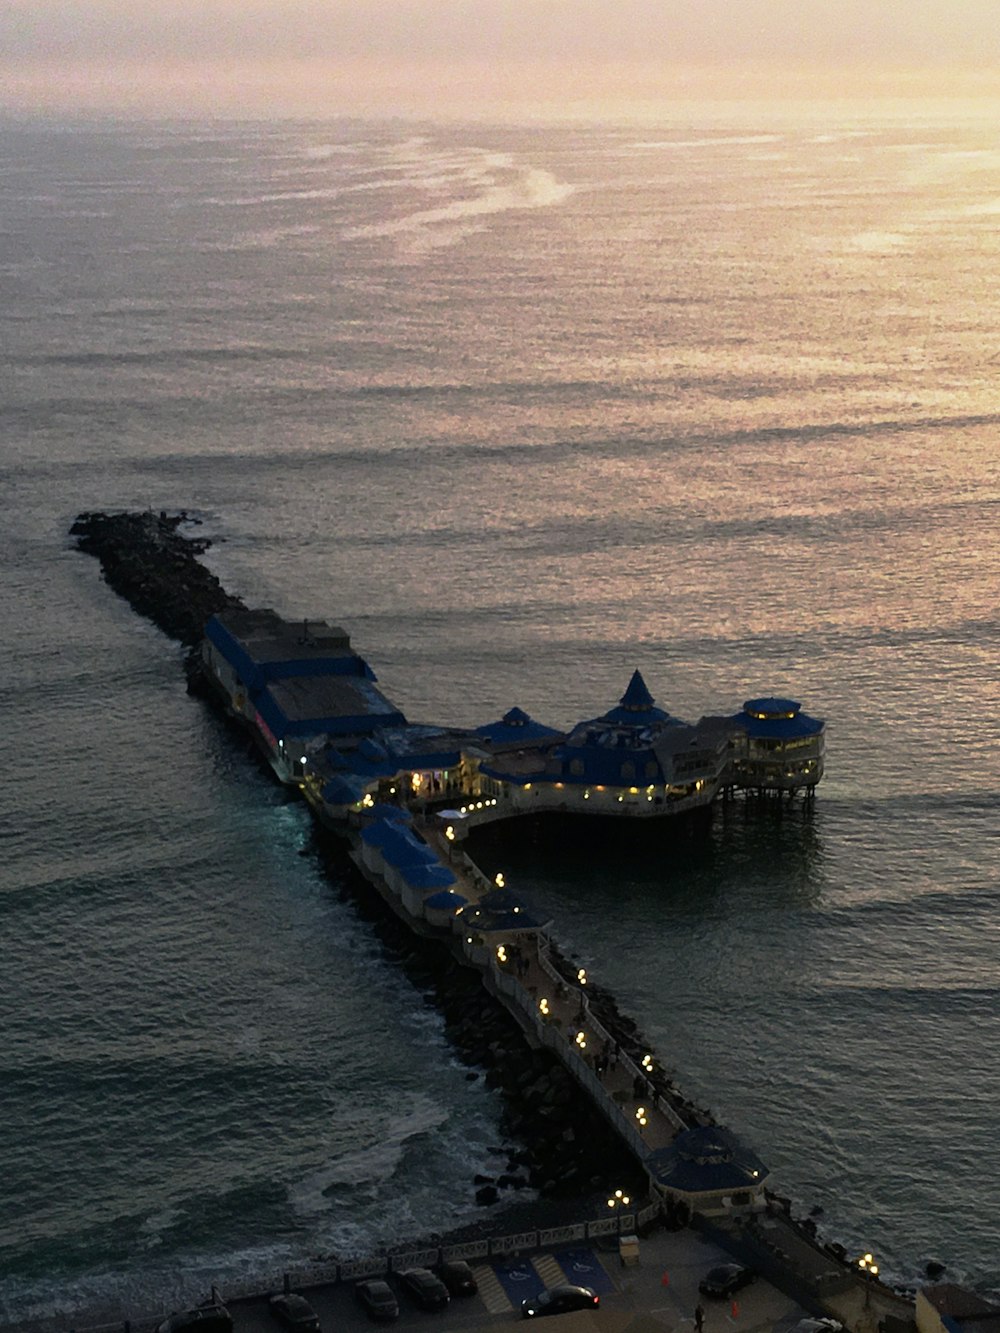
{"type": "Point", "coordinates": [778, 719]}
{"type": "Point", "coordinates": [705, 1164]}
{"type": "Point", "coordinates": [614, 750]}
{"type": "Point", "coordinates": [294, 679]}
{"type": "Point", "coordinates": [780, 747]}
{"type": "Point", "coordinates": [516, 727]}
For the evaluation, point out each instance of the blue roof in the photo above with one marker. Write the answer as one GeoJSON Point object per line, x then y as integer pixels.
{"type": "Point", "coordinates": [391, 751]}
{"type": "Point", "coordinates": [637, 696]}
{"type": "Point", "coordinates": [780, 719]}
{"type": "Point", "coordinates": [501, 900]}
{"type": "Point", "coordinates": [636, 708]}
{"type": "Point", "coordinates": [342, 790]}
{"type": "Point", "coordinates": [508, 922]}
{"type": "Point", "coordinates": [447, 898]}
{"type": "Point", "coordinates": [434, 876]}
{"type": "Point", "coordinates": [378, 833]}
{"type": "Point", "coordinates": [357, 707]}
{"type": "Point", "coordinates": [255, 673]}
{"type": "Point", "coordinates": [709, 1158]}
{"type": "Point", "coordinates": [502, 909]}
{"type": "Point", "coordinates": [515, 726]}
{"type": "Point", "coordinates": [383, 810]}
{"type": "Point", "coordinates": [400, 848]}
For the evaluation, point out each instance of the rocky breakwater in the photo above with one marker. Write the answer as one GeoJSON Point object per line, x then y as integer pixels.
{"type": "Point", "coordinates": [555, 1142]}
{"type": "Point", "coordinates": [147, 560]}
{"type": "Point", "coordinates": [569, 1150]}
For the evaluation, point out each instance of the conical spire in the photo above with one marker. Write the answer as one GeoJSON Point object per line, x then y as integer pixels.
{"type": "Point", "coordinates": [637, 698]}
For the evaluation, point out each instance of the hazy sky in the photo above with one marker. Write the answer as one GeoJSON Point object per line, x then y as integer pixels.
{"type": "Point", "coordinates": [402, 55]}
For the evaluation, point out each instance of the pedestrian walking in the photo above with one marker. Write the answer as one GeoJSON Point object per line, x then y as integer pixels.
{"type": "Point", "coordinates": [699, 1317]}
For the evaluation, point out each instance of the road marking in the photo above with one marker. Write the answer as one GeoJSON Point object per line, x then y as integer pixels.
{"type": "Point", "coordinates": [492, 1293]}
{"type": "Point", "coordinates": [548, 1270]}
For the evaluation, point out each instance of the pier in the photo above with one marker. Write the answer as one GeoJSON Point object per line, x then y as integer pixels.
{"type": "Point", "coordinates": [405, 850]}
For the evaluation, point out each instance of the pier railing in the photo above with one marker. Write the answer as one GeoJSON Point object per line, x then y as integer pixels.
{"type": "Point", "coordinates": [603, 1035]}
{"type": "Point", "coordinates": [489, 1247]}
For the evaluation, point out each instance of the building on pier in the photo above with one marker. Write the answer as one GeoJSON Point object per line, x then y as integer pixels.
{"type": "Point", "coordinates": [313, 705]}
{"type": "Point", "coordinates": [710, 1171]}
{"type": "Point", "coordinates": [296, 683]}
{"type": "Point", "coordinates": [636, 760]}
{"type": "Point", "coordinates": [777, 747]}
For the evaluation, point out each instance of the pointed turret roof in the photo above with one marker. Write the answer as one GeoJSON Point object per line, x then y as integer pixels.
{"type": "Point", "coordinates": [636, 708]}
{"type": "Point", "coordinates": [637, 697]}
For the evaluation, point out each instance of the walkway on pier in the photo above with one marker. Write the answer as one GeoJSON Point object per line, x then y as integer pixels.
{"type": "Point", "coordinates": [556, 1011]}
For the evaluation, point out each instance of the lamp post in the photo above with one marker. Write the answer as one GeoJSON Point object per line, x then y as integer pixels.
{"type": "Point", "coordinates": [868, 1268]}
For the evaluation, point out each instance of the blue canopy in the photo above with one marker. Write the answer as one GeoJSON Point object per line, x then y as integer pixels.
{"type": "Point", "coordinates": [392, 813]}
{"type": "Point", "coordinates": [379, 833]}
{"type": "Point", "coordinates": [400, 848]}
{"type": "Point", "coordinates": [445, 900]}
{"type": "Point", "coordinates": [429, 876]}
{"type": "Point", "coordinates": [343, 790]}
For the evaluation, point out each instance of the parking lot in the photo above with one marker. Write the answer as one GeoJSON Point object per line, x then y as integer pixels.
{"type": "Point", "coordinates": [662, 1289]}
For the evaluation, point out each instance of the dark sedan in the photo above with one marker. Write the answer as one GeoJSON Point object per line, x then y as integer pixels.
{"type": "Point", "coordinates": [458, 1277]}
{"type": "Point", "coordinates": [725, 1280]}
{"type": "Point", "coordinates": [560, 1300]}
{"type": "Point", "coordinates": [428, 1291]}
{"type": "Point", "coordinates": [378, 1298]}
{"type": "Point", "coordinates": [294, 1312]}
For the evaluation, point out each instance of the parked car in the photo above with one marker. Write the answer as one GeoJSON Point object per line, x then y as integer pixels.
{"type": "Point", "coordinates": [206, 1319]}
{"type": "Point", "coordinates": [294, 1312]}
{"type": "Point", "coordinates": [428, 1291]}
{"type": "Point", "coordinates": [725, 1279]}
{"type": "Point", "coordinates": [820, 1325]}
{"type": "Point", "coordinates": [378, 1298]}
{"type": "Point", "coordinates": [559, 1300]}
{"type": "Point", "coordinates": [457, 1276]}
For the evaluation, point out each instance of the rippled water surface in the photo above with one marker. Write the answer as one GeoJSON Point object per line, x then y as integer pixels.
{"type": "Point", "coordinates": [523, 409]}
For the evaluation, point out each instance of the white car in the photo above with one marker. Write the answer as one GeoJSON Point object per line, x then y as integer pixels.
{"type": "Point", "coordinates": [817, 1326]}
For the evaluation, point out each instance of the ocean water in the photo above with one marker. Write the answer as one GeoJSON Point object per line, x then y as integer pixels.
{"type": "Point", "coordinates": [524, 408]}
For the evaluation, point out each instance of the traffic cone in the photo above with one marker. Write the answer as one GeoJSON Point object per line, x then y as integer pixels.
{"type": "Point", "coordinates": [736, 1310]}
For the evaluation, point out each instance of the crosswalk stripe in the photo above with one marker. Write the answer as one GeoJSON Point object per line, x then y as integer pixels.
{"type": "Point", "coordinates": [492, 1293]}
